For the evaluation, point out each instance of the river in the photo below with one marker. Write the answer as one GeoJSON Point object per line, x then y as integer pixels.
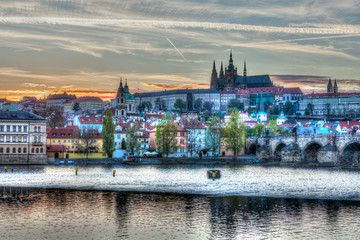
{"type": "Point", "coordinates": [178, 202]}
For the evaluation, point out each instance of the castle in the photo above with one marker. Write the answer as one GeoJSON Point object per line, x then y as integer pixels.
{"type": "Point", "coordinates": [230, 80]}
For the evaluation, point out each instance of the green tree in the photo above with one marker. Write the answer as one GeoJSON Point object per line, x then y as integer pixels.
{"type": "Point", "coordinates": [108, 134]}
{"type": "Point", "coordinates": [179, 105]}
{"type": "Point", "coordinates": [231, 110]}
{"type": "Point", "coordinates": [213, 135]}
{"type": "Point", "coordinates": [123, 144]}
{"type": "Point", "coordinates": [234, 103]}
{"type": "Point", "coordinates": [198, 104]}
{"type": "Point", "coordinates": [235, 134]}
{"type": "Point", "coordinates": [258, 129]}
{"type": "Point", "coordinates": [287, 107]}
{"type": "Point", "coordinates": [165, 136]}
{"type": "Point", "coordinates": [273, 126]}
{"type": "Point", "coordinates": [143, 105]}
{"type": "Point", "coordinates": [76, 106]}
{"type": "Point", "coordinates": [208, 106]}
{"type": "Point", "coordinates": [132, 143]}
{"type": "Point", "coordinates": [249, 110]}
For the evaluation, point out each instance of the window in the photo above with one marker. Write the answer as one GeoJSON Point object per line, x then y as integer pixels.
{"type": "Point", "coordinates": [14, 128]}
{"type": "Point", "coordinates": [53, 141]}
{"type": "Point", "coordinates": [35, 139]}
{"type": "Point", "coordinates": [2, 139]}
{"type": "Point", "coordinates": [25, 128]}
{"type": "Point", "coordinates": [14, 150]}
{"type": "Point", "coordinates": [8, 128]}
{"type": "Point", "coordinates": [7, 150]}
{"type": "Point", "coordinates": [182, 141]}
{"type": "Point", "coordinates": [24, 150]}
{"type": "Point", "coordinates": [41, 150]}
{"type": "Point", "coordinates": [1, 150]}
{"type": "Point", "coordinates": [32, 150]}
{"type": "Point", "coordinates": [25, 139]}
{"type": "Point", "coordinates": [14, 139]}
{"type": "Point", "coordinates": [19, 150]}
{"type": "Point", "coordinates": [68, 140]}
{"type": "Point", "coordinates": [8, 138]}
{"type": "Point", "coordinates": [64, 141]}
{"type": "Point", "coordinates": [2, 128]}
{"type": "Point", "coordinates": [182, 134]}
{"type": "Point", "coordinates": [37, 150]}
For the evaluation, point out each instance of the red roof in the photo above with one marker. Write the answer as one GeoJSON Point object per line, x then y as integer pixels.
{"type": "Point", "coordinates": [265, 90]}
{"type": "Point", "coordinates": [328, 124]}
{"type": "Point", "coordinates": [191, 123]}
{"type": "Point", "coordinates": [345, 124]}
{"type": "Point", "coordinates": [295, 90]}
{"type": "Point", "coordinates": [90, 120]}
{"type": "Point", "coordinates": [55, 148]}
{"type": "Point", "coordinates": [67, 132]}
{"type": "Point", "coordinates": [313, 95]}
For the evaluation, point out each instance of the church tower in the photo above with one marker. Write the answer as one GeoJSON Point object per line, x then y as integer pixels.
{"type": "Point", "coordinates": [213, 80]}
{"type": "Point", "coordinates": [336, 90]}
{"type": "Point", "coordinates": [221, 75]}
{"type": "Point", "coordinates": [120, 110]}
{"type": "Point", "coordinates": [243, 85]}
{"type": "Point", "coordinates": [230, 75]}
{"type": "Point", "coordinates": [330, 87]}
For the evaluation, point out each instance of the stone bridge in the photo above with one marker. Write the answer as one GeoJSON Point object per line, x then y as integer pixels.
{"type": "Point", "coordinates": [331, 149]}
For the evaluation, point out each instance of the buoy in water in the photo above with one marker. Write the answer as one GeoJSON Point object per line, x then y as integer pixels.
{"type": "Point", "coordinates": [213, 174]}
{"type": "Point", "coordinates": [76, 171]}
{"type": "Point", "coordinates": [114, 172]}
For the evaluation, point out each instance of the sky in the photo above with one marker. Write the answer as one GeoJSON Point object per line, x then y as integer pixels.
{"type": "Point", "coordinates": [85, 46]}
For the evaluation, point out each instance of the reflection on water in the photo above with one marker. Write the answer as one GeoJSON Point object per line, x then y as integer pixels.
{"type": "Point", "coordinates": [27, 213]}
{"type": "Point", "coordinates": [235, 180]}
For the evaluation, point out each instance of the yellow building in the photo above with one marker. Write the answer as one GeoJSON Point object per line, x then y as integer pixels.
{"type": "Point", "coordinates": [85, 144]}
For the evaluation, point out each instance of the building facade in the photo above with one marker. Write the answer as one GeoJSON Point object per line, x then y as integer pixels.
{"type": "Point", "coordinates": [58, 100]}
{"type": "Point", "coordinates": [331, 103]}
{"type": "Point", "coordinates": [22, 138]}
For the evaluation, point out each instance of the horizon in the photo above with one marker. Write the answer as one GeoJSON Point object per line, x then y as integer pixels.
{"type": "Point", "coordinates": [84, 48]}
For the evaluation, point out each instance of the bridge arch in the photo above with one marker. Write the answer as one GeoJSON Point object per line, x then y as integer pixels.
{"type": "Point", "coordinates": [311, 151]}
{"type": "Point", "coordinates": [252, 148]}
{"type": "Point", "coordinates": [350, 153]}
{"type": "Point", "coordinates": [277, 151]}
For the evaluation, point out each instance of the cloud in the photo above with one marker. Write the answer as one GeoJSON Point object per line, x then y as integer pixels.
{"type": "Point", "coordinates": [34, 85]}
{"type": "Point", "coordinates": [176, 86]}
{"type": "Point", "coordinates": [220, 26]}
{"type": "Point", "coordinates": [313, 82]}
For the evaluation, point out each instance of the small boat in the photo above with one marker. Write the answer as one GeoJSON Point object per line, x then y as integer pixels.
{"type": "Point", "coordinates": [213, 174]}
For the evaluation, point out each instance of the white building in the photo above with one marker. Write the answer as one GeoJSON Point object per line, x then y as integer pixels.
{"type": "Point", "coordinates": [22, 138]}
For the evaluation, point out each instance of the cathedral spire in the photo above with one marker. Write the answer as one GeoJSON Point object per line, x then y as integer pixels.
{"type": "Point", "coordinates": [213, 80]}
{"type": "Point", "coordinates": [330, 87]}
{"type": "Point", "coordinates": [245, 73]}
{"type": "Point", "coordinates": [231, 62]}
{"type": "Point", "coordinates": [335, 87]}
{"type": "Point", "coordinates": [221, 71]}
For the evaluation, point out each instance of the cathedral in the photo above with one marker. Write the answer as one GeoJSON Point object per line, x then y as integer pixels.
{"type": "Point", "coordinates": [229, 79]}
{"type": "Point", "coordinates": [331, 88]}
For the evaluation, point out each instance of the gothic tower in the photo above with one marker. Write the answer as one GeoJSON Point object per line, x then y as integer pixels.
{"type": "Point", "coordinates": [336, 90]}
{"type": "Point", "coordinates": [213, 80]}
{"type": "Point", "coordinates": [230, 74]}
{"type": "Point", "coordinates": [243, 85]}
{"type": "Point", "coordinates": [330, 87]}
{"type": "Point", "coordinates": [221, 75]}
